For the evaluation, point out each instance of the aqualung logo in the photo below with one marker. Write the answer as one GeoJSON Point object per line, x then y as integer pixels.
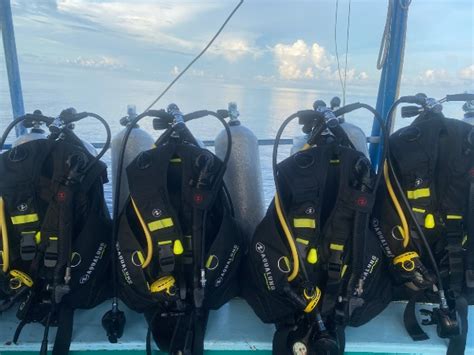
{"type": "Point", "coordinates": [123, 266]}
{"type": "Point", "coordinates": [224, 271]}
{"type": "Point", "coordinates": [367, 271]}
{"type": "Point", "coordinates": [156, 212]}
{"type": "Point", "coordinates": [22, 207]}
{"type": "Point", "coordinates": [98, 255]}
{"type": "Point", "coordinates": [379, 234]}
{"type": "Point", "coordinates": [267, 272]}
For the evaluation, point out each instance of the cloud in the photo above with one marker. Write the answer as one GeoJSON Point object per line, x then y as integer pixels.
{"type": "Point", "coordinates": [434, 75]}
{"type": "Point", "coordinates": [101, 62]}
{"type": "Point", "coordinates": [234, 48]}
{"type": "Point", "coordinates": [144, 20]}
{"type": "Point", "coordinates": [299, 61]}
{"type": "Point", "coordinates": [467, 73]}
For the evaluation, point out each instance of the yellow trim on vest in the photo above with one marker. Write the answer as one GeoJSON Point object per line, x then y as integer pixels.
{"type": "Point", "coordinates": [334, 161]}
{"type": "Point", "coordinates": [53, 238]}
{"type": "Point", "coordinates": [27, 218]}
{"type": "Point", "coordinates": [453, 216]}
{"type": "Point", "coordinates": [38, 237]}
{"type": "Point", "coordinates": [165, 242]}
{"type": "Point", "coordinates": [464, 240]}
{"type": "Point", "coordinates": [419, 193]}
{"type": "Point", "coordinates": [343, 271]}
{"type": "Point", "coordinates": [175, 160]}
{"type": "Point", "coordinates": [178, 247]}
{"type": "Point", "coordinates": [312, 256]}
{"type": "Point", "coordinates": [160, 224]}
{"type": "Point", "coordinates": [149, 241]}
{"type": "Point", "coordinates": [338, 247]}
{"type": "Point", "coordinates": [302, 241]}
{"type": "Point", "coordinates": [141, 258]}
{"type": "Point", "coordinates": [429, 221]}
{"type": "Point", "coordinates": [4, 232]}
{"type": "Point", "coordinates": [304, 223]}
{"type": "Point", "coordinates": [419, 210]}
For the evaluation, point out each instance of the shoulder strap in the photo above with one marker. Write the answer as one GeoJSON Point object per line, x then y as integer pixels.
{"type": "Point", "coordinates": [148, 178]}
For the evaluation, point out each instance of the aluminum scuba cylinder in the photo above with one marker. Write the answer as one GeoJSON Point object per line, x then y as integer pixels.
{"type": "Point", "coordinates": [468, 109]}
{"type": "Point", "coordinates": [138, 141]}
{"type": "Point", "coordinates": [243, 176]}
{"type": "Point", "coordinates": [36, 131]}
{"type": "Point", "coordinates": [355, 134]}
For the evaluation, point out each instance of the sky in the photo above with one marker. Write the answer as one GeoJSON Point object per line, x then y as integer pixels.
{"type": "Point", "coordinates": [288, 44]}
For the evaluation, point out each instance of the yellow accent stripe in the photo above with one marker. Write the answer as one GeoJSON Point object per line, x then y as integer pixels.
{"type": "Point", "coordinates": [338, 247]}
{"type": "Point", "coordinates": [160, 224]}
{"type": "Point", "coordinates": [53, 238]}
{"type": "Point", "coordinates": [420, 193]}
{"type": "Point", "coordinates": [343, 271]}
{"type": "Point", "coordinates": [304, 223]}
{"type": "Point", "coordinates": [453, 216]}
{"type": "Point", "coordinates": [302, 241]}
{"type": "Point", "coordinates": [334, 161]}
{"type": "Point", "coordinates": [464, 240]}
{"type": "Point", "coordinates": [175, 160]}
{"type": "Point", "coordinates": [419, 210]}
{"type": "Point", "coordinates": [149, 241]}
{"type": "Point", "coordinates": [38, 237]}
{"type": "Point", "coordinates": [27, 218]}
{"type": "Point", "coordinates": [165, 242]}
{"type": "Point", "coordinates": [5, 252]}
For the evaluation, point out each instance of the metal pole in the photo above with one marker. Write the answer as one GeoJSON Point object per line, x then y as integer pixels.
{"type": "Point", "coordinates": [11, 59]}
{"type": "Point", "coordinates": [392, 69]}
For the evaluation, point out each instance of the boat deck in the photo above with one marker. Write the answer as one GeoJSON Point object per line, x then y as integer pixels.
{"type": "Point", "coordinates": [234, 329]}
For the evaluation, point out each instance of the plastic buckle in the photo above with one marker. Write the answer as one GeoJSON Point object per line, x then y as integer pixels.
{"type": "Point", "coordinates": [166, 258]}
{"type": "Point", "coordinates": [27, 246]}
{"type": "Point", "coordinates": [51, 253]}
{"type": "Point", "coordinates": [335, 263]}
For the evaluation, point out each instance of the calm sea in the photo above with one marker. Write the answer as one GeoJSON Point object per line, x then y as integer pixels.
{"type": "Point", "coordinates": [262, 109]}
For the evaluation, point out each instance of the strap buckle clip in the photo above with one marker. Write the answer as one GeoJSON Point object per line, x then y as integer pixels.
{"type": "Point", "coordinates": [166, 258]}
{"type": "Point", "coordinates": [27, 246]}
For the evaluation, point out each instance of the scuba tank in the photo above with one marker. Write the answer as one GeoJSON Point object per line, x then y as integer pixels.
{"type": "Point", "coordinates": [243, 176]}
{"type": "Point", "coordinates": [355, 134]}
{"type": "Point", "coordinates": [138, 141]}
{"type": "Point", "coordinates": [468, 109]}
{"type": "Point", "coordinates": [36, 131]}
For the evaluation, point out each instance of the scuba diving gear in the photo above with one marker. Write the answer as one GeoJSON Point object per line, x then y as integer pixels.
{"type": "Point", "coordinates": [431, 164]}
{"type": "Point", "coordinates": [36, 131]}
{"type": "Point", "coordinates": [243, 175]}
{"type": "Point", "coordinates": [138, 142]}
{"type": "Point", "coordinates": [468, 109]}
{"type": "Point", "coordinates": [355, 134]}
{"type": "Point", "coordinates": [178, 246]}
{"type": "Point", "coordinates": [55, 227]}
{"type": "Point", "coordinates": [313, 265]}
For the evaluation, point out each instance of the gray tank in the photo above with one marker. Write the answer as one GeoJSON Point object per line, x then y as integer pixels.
{"type": "Point", "coordinates": [357, 137]}
{"type": "Point", "coordinates": [36, 132]}
{"type": "Point", "coordinates": [243, 176]}
{"type": "Point", "coordinates": [468, 109]}
{"type": "Point", "coordinates": [138, 141]}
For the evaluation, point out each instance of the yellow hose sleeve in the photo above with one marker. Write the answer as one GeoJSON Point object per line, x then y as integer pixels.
{"type": "Point", "coordinates": [149, 241]}
{"type": "Point", "coordinates": [289, 237]}
{"type": "Point", "coordinates": [4, 233]}
{"type": "Point", "coordinates": [396, 203]}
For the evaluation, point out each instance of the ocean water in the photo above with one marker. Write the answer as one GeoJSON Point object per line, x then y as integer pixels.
{"type": "Point", "coordinates": [262, 109]}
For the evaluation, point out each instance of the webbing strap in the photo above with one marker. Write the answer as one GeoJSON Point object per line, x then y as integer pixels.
{"type": "Point", "coordinates": [469, 257]}
{"type": "Point", "coordinates": [457, 345]}
{"type": "Point", "coordinates": [64, 333]}
{"type": "Point", "coordinates": [454, 236]}
{"type": "Point", "coordinates": [410, 321]}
